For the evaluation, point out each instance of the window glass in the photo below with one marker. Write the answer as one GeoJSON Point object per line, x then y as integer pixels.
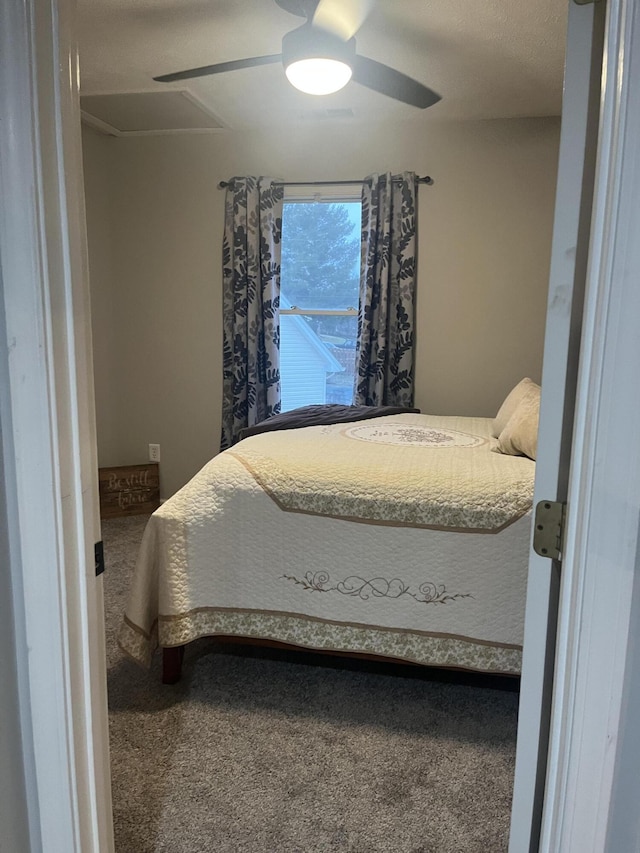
{"type": "Point", "coordinates": [320, 273]}
{"type": "Point", "coordinates": [321, 254]}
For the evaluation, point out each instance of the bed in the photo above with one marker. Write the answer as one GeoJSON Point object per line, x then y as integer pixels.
{"type": "Point", "coordinates": [403, 537]}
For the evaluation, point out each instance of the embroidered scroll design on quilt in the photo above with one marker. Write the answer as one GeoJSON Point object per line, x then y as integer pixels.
{"type": "Point", "coordinates": [379, 587]}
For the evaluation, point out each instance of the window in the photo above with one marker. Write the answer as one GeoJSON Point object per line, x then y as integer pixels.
{"type": "Point", "coordinates": [320, 277]}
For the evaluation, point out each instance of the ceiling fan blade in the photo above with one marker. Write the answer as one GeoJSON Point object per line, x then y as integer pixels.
{"type": "Point", "coordinates": [343, 18]}
{"type": "Point", "coordinates": [301, 8]}
{"type": "Point", "coordinates": [234, 65]}
{"type": "Point", "coordinates": [381, 78]}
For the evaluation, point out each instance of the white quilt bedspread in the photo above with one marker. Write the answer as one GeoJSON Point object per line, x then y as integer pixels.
{"type": "Point", "coordinates": [223, 556]}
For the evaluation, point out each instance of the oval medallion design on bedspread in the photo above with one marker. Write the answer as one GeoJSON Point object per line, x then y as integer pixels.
{"type": "Point", "coordinates": [401, 470]}
{"type": "Point", "coordinates": [413, 434]}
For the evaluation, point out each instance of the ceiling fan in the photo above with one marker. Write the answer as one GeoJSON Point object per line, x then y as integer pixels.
{"type": "Point", "coordinates": [320, 56]}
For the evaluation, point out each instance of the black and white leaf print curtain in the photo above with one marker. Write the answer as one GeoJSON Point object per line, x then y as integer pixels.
{"type": "Point", "coordinates": [384, 355]}
{"type": "Point", "coordinates": [251, 304]}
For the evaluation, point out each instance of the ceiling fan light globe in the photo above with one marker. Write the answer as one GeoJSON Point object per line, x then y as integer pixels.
{"type": "Point", "coordinates": [318, 75]}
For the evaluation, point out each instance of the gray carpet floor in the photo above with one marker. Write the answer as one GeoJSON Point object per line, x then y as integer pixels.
{"type": "Point", "coordinates": [268, 754]}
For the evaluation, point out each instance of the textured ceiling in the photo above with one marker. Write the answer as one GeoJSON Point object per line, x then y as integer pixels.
{"type": "Point", "coordinates": [487, 58]}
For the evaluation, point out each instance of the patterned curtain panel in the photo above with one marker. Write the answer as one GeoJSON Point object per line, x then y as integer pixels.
{"type": "Point", "coordinates": [251, 303]}
{"type": "Point", "coordinates": [384, 355]}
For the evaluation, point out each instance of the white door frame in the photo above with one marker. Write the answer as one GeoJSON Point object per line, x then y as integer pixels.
{"type": "Point", "coordinates": [45, 421]}
{"type": "Point", "coordinates": [48, 434]}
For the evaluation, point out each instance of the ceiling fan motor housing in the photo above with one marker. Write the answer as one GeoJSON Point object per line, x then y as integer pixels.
{"type": "Point", "coordinates": [309, 42]}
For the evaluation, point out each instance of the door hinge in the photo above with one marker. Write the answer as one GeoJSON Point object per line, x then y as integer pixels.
{"type": "Point", "coordinates": [99, 554]}
{"type": "Point", "coordinates": [548, 531]}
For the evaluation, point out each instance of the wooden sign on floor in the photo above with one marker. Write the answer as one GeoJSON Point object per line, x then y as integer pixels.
{"type": "Point", "coordinates": [129, 490]}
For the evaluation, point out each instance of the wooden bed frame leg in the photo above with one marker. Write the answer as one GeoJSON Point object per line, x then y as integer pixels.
{"type": "Point", "coordinates": [172, 664]}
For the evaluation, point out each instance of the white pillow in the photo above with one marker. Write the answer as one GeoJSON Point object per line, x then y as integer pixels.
{"type": "Point", "coordinates": [520, 435]}
{"type": "Point", "coordinates": [511, 403]}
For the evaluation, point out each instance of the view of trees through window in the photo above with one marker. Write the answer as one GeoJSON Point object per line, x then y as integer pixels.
{"type": "Point", "coordinates": [320, 276]}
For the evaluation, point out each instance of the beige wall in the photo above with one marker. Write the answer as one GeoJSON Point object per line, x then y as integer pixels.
{"type": "Point", "coordinates": [155, 219]}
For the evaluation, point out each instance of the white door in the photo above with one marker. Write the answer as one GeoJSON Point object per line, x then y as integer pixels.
{"type": "Point", "coordinates": [569, 259]}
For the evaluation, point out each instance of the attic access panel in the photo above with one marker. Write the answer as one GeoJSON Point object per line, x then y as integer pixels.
{"type": "Point", "coordinates": [148, 112]}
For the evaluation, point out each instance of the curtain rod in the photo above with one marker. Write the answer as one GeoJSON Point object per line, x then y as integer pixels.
{"type": "Point", "coordinates": [224, 184]}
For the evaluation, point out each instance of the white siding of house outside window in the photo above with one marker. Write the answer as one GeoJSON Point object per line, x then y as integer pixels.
{"type": "Point", "coordinates": [302, 368]}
